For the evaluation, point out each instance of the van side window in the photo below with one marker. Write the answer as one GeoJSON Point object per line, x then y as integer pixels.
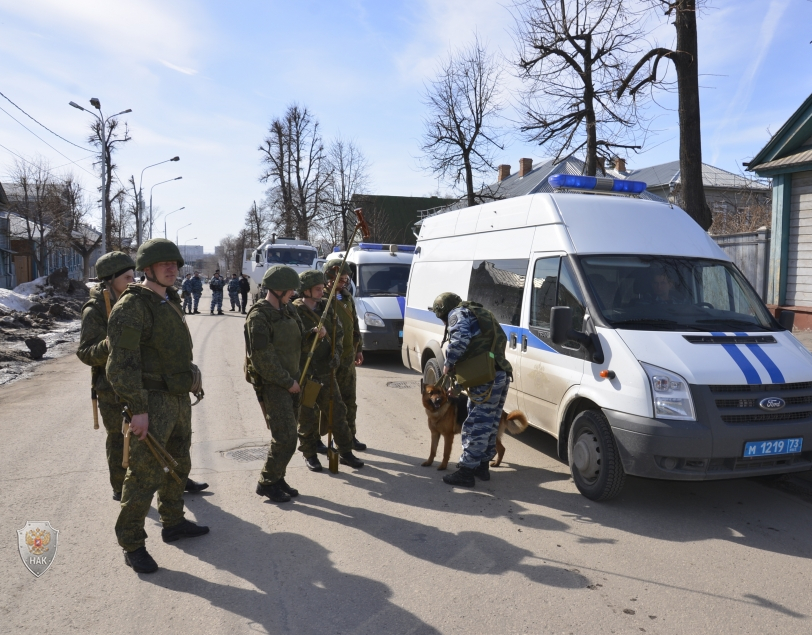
{"type": "Point", "coordinates": [545, 282]}
{"type": "Point", "coordinates": [498, 285]}
{"type": "Point", "coordinates": [569, 294]}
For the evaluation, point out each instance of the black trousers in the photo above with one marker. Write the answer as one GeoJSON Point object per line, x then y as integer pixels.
{"type": "Point", "coordinates": [244, 296]}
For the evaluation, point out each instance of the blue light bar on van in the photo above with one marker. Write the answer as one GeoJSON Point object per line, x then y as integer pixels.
{"type": "Point", "coordinates": [382, 247]}
{"type": "Point", "coordinates": [595, 183]}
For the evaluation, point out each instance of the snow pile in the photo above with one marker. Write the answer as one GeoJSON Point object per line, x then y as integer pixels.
{"type": "Point", "coordinates": [27, 288]}
{"type": "Point", "coordinates": [12, 301]}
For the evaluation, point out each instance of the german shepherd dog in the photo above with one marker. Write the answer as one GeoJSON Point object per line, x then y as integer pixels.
{"type": "Point", "coordinates": [446, 415]}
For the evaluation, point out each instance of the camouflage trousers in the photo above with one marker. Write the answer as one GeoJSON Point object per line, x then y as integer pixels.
{"type": "Point", "coordinates": [281, 412]}
{"type": "Point", "coordinates": [196, 299]}
{"type": "Point", "coordinates": [345, 376]}
{"type": "Point", "coordinates": [187, 303]}
{"type": "Point", "coordinates": [309, 435]}
{"type": "Point", "coordinates": [234, 298]}
{"type": "Point", "coordinates": [170, 422]}
{"type": "Point", "coordinates": [110, 409]}
{"type": "Point", "coordinates": [217, 300]}
{"type": "Point", "coordinates": [480, 427]}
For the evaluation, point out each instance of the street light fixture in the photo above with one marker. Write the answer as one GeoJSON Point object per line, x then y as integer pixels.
{"type": "Point", "coordinates": [140, 195]}
{"type": "Point", "coordinates": [177, 178]}
{"type": "Point", "coordinates": [168, 215]}
{"type": "Point", "coordinates": [94, 101]}
{"type": "Point", "coordinates": [178, 232]}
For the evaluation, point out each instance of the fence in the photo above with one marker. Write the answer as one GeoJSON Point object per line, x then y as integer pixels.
{"type": "Point", "coordinates": [750, 251]}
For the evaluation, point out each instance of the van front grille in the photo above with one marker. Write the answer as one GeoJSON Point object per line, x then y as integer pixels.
{"type": "Point", "coordinates": [762, 387]}
{"type": "Point", "coordinates": [766, 418]}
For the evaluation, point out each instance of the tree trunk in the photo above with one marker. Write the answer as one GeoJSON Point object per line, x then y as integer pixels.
{"type": "Point", "coordinates": [690, 135]}
{"type": "Point", "coordinates": [469, 180]}
{"type": "Point", "coordinates": [591, 166]}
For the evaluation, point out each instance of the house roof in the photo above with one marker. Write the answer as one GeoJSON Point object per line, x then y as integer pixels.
{"type": "Point", "coordinates": [664, 174]}
{"type": "Point", "coordinates": [3, 197]}
{"type": "Point", "coordinates": [791, 143]}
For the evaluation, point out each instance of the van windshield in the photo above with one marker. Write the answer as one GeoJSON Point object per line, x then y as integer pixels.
{"type": "Point", "coordinates": [290, 256]}
{"type": "Point", "coordinates": [674, 294]}
{"type": "Point", "coordinates": [382, 280]}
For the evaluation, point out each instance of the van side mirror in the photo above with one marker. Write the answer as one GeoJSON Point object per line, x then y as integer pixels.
{"type": "Point", "coordinates": [560, 332]}
{"type": "Point", "coordinates": [787, 320]}
{"type": "Point", "coordinates": [560, 320]}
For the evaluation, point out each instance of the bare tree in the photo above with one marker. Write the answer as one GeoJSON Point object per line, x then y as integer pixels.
{"type": "Point", "coordinates": [296, 166]}
{"type": "Point", "coordinates": [461, 131]}
{"type": "Point", "coordinates": [257, 223]}
{"type": "Point", "coordinates": [33, 202]}
{"type": "Point", "coordinates": [107, 145]}
{"type": "Point", "coordinates": [74, 231]}
{"type": "Point", "coordinates": [232, 248]}
{"type": "Point", "coordinates": [572, 54]}
{"type": "Point", "coordinates": [121, 226]}
{"type": "Point", "coordinates": [685, 60]}
{"type": "Point", "coordinates": [350, 176]}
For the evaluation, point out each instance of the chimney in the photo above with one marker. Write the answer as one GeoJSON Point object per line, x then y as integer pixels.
{"type": "Point", "coordinates": [504, 172]}
{"type": "Point", "coordinates": [525, 165]}
{"type": "Point", "coordinates": [620, 164]}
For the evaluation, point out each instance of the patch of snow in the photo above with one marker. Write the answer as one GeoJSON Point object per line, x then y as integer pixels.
{"type": "Point", "coordinates": [14, 301]}
{"type": "Point", "coordinates": [27, 288]}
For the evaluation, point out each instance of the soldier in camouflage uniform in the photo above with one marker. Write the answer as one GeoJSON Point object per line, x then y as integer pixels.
{"type": "Point", "coordinates": [351, 355]}
{"type": "Point", "coordinates": [473, 330]}
{"type": "Point", "coordinates": [150, 368]}
{"type": "Point", "coordinates": [311, 307]}
{"type": "Point", "coordinates": [273, 341]}
{"type": "Point", "coordinates": [115, 270]}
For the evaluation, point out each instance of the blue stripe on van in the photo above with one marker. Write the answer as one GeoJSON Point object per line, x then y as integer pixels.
{"type": "Point", "coordinates": [750, 373]}
{"type": "Point", "coordinates": [532, 340]}
{"type": "Point", "coordinates": [402, 305]}
{"type": "Point", "coordinates": [761, 355]}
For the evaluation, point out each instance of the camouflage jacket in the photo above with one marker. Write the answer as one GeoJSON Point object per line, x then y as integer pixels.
{"type": "Point", "coordinates": [348, 318]}
{"type": "Point", "coordinates": [273, 340]}
{"type": "Point", "coordinates": [93, 346]}
{"type": "Point", "coordinates": [150, 346]}
{"type": "Point", "coordinates": [320, 364]}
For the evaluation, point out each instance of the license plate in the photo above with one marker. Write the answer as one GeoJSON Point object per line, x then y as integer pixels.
{"type": "Point", "coordinates": [769, 448]}
{"type": "Point", "coordinates": [400, 333]}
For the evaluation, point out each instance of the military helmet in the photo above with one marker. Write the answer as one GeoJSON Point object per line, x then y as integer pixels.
{"type": "Point", "coordinates": [280, 278]}
{"type": "Point", "coordinates": [115, 262]}
{"type": "Point", "coordinates": [444, 304]}
{"type": "Point", "coordinates": [311, 278]}
{"type": "Point", "coordinates": [157, 250]}
{"type": "Point", "coordinates": [331, 268]}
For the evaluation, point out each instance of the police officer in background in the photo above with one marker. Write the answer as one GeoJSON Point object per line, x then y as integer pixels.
{"type": "Point", "coordinates": [273, 340]}
{"type": "Point", "coordinates": [234, 292]}
{"type": "Point", "coordinates": [216, 285]}
{"type": "Point", "coordinates": [474, 331]}
{"type": "Point", "coordinates": [196, 287]}
{"type": "Point", "coordinates": [186, 295]}
{"type": "Point", "coordinates": [116, 270]}
{"type": "Point", "coordinates": [351, 355]}
{"type": "Point", "coordinates": [245, 287]}
{"type": "Point", "coordinates": [311, 308]}
{"type": "Point", "coordinates": [150, 368]}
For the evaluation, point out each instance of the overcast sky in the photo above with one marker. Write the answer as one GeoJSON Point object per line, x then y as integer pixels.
{"type": "Point", "coordinates": [205, 78]}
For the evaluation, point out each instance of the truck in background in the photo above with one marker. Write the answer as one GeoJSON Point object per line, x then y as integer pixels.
{"type": "Point", "coordinates": [298, 254]}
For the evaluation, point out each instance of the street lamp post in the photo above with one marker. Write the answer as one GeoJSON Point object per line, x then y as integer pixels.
{"type": "Point", "coordinates": [103, 128]}
{"type": "Point", "coordinates": [168, 215]}
{"type": "Point", "coordinates": [140, 194]}
{"type": "Point", "coordinates": [185, 245]}
{"type": "Point", "coordinates": [177, 178]}
{"type": "Point", "coordinates": [178, 232]}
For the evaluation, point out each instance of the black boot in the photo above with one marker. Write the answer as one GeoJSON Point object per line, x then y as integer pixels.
{"type": "Point", "coordinates": [357, 445]}
{"type": "Point", "coordinates": [140, 561]}
{"type": "Point", "coordinates": [313, 463]}
{"type": "Point", "coordinates": [321, 448]}
{"type": "Point", "coordinates": [464, 477]}
{"type": "Point", "coordinates": [483, 472]}
{"type": "Point", "coordinates": [348, 458]}
{"type": "Point", "coordinates": [116, 495]}
{"type": "Point", "coordinates": [273, 492]}
{"type": "Point", "coordinates": [220, 312]}
{"type": "Point", "coordinates": [287, 488]}
{"type": "Point", "coordinates": [184, 529]}
{"type": "Point", "coordinates": [192, 486]}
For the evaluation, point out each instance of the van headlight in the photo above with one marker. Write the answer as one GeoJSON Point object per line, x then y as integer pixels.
{"type": "Point", "coordinates": [370, 319]}
{"type": "Point", "coordinates": [672, 397]}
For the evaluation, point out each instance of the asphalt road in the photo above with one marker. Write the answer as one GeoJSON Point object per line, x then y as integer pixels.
{"type": "Point", "coordinates": [385, 549]}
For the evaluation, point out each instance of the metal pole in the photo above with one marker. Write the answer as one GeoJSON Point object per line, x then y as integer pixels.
{"type": "Point", "coordinates": [104, 185]}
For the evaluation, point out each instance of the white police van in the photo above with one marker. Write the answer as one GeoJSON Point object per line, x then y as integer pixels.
{"type": "Point", "coordinates": [380, 273]}
{"type": "Point", "coordinates": [634, 339]}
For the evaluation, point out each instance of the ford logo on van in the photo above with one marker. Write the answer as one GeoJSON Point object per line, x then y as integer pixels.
{"type": "Point", "coordinates": [772, 403]}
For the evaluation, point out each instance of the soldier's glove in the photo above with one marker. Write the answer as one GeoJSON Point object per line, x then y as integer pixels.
{"type": "Point", "coordinates": [197, 384]}
{"type": "Point", "coordinates": [335, 361]}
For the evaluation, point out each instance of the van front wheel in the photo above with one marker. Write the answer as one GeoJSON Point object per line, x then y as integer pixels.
{"type": "Point", "coordinates": [593, 457]}
{"type": "Point", "coordinates": [431, 372]}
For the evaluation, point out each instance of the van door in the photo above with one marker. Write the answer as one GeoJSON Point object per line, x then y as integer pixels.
{"type": "Point", "coordinates": [549, 370]}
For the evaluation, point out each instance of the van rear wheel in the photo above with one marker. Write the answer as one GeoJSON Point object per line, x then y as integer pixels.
{"type": "Point", "coordinates": [594, 458]}
{"type": "Point", "coordinates": [431, 372]}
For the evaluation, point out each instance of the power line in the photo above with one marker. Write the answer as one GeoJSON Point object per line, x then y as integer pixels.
{"type": "Point", "coordinates": [23, 159]}
{"type": "Point", "coordinates": [40, 124]}
{"type": "Point", "coordinates": [46, 143]}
